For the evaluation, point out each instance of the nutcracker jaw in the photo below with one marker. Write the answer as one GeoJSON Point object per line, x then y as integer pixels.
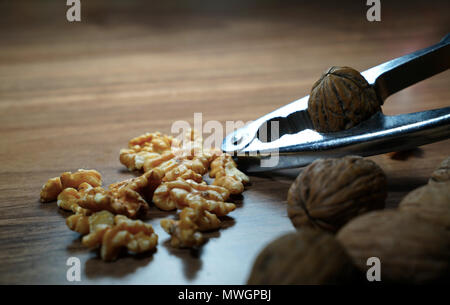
{"type": "Point", "coordinates": [285, 138]}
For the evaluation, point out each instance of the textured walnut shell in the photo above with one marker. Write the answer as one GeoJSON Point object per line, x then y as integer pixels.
{"type": "Point", "coordinates": [430, 202]}
{"type": "Point", "coordinates": [341, 99]}
{"type": "Point", "coordinates": [304, 257]}
{"type": "Point", "coordinates": [410, 249]}
{"type": "Point", "coordinates": [330, 192]}
{"type": "Point", "coordinates": [442, 173]}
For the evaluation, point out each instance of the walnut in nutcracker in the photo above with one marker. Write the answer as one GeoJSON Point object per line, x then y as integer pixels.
{"type": "Point", "coordinates": [410, 249]}
{"type": "Point", "coordinates": [306, 257]}
{"type": "Point", "coordinates": [330, 192]}
{"type": "Point", "coordinates": [341, 99]}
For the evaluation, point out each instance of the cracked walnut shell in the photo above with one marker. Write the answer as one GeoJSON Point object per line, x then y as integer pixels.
{"type": "Point", "coordinates": [330, 192]}
{"type": "Point", "coordinates": [306, 257]}
{"type": "Point", "coordinates": [410, 249]}
{"type": "Point", "coordinates": [341, 99]}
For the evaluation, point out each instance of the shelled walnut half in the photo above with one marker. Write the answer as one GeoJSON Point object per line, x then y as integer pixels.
{"type": "Point", "coordinates": [112, 233]}
{"type": "Point", "coordinates": [186, 232]}
{"type": "Point", "coordinates": [330, 192]}
{"type": "Point", "coordinates": [54, 186]}
{"type": "Point", "coordinates": [341, 99]}
{"type": "Point", "coordinates": [183, 193]}
{"type": "Point", "coordinates": [227, 175]}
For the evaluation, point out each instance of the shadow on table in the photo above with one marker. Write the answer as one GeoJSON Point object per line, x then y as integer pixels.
{"type": "Point", "coordinates": [191, 258]}
{"type": "Point", "coordinates": [95, 267]}
{"type": "Point", "coordinates": [125, 264]}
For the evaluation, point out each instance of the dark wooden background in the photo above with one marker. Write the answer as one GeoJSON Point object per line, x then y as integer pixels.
{"type": "Point", "coordinates": [72, 94]}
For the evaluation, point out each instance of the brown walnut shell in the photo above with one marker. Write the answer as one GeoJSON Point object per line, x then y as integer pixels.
{"type": "Point", "coordinates": [430, 202]}
{"type": "Point", "coordinates": [410, 249]}
{"type": "Point", "coordinates": [330, 192]}
{"type": "Point", "coordinates": [341, 99]}
{"type": "Point", "coordinates": [442, 173]}
{"type": "Point", "coordinates": [304, 257]}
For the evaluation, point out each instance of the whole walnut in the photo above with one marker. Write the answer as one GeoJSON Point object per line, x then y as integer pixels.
{"type": "Point", "coordinates": [442, 173]}
{"type": "Point", "coordinates": [330, 192]}
{"type": "Point", "coordinates": [410, 249]}
{"type": "Point", "coordinates": [304, 257]}
{"type": "Point", "coordinates": [430, 202]}
{"type": "Point", "coordinates": [341, 99]}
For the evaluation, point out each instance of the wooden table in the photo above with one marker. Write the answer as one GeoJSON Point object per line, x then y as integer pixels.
{"type": "Point", "coordinates": [73, 94]}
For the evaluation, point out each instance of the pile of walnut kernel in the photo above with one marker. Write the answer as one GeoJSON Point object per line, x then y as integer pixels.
{"type": "Point", "coordinates": [172, 178]}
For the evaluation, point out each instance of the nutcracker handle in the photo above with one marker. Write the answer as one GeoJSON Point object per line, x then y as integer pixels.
{"type": "Point", "coordinates": [399, 73]}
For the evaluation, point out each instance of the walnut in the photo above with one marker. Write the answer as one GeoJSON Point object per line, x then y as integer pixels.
{"type": "Point", "coordinates": [153, 150]}
{"type": "Point", "coordinates": [74, 180]}
{"type": "Point", "coordinates": [153, 142]}
{"type": "Point", "coordinates": [55, 186]}
{"type": "Point", "coordinates": [227, 175]}
{"type": "Point", "coordinates": [51, 189]}
{"type": "Point", "coordinates": [135, 236]}
{"type": "Point", "coordinates": [98, 224]}
{"type": "Point", "coordinates": [68, 200]}
{"type": "Point", "coordinates": [430, 202]}
{"type": "Point", "coordinates": [330, 192]}
{"type": "Point", "coordinates": [126, 197]}
{"type": "Point", "coordinates": [113, 233]}
{"type": "Point", "coordinates": [181, 193]}
{"type": "Point", "coordinates": [119, 201]}
{"type": "Point", "coordinates": [90, 224]}
{"type": "Point", "coordinates": [306, 257]}
{"type": "Point", "coordinates": [182, 237]}
{"type": "Point", "coordinates": [410, 249]}
{"type": "Point", "coordinates": [183, 172]}
{"type": "Point", "coordinates": [134, 160]}
{"type": "Point", "coordinates": [78, 223]}
{"type": "Point", "coordinates": [341, 99]}
{"type": "Point", "coordinates": [185, 232]}
{"type": "Point", "coordinates": [145, 184]}
{"type": "Point", "coordinates": [442, 173]}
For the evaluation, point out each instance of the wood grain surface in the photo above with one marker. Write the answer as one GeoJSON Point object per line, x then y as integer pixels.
{"type": "Point", "coordinates": [73, 94]}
